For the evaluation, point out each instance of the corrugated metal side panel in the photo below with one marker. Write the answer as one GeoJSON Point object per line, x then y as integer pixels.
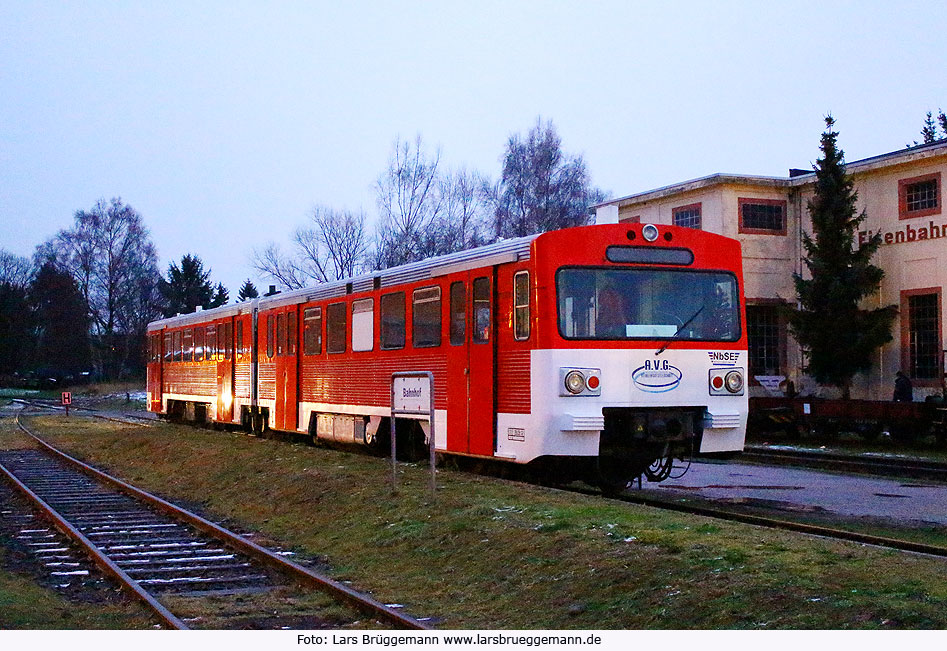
{"type": "Point", "coordinates": [242, 379]}
{"type": "Point", "coordinates": [191, 378]}
{"type": "Point", "coordinates": [267, 380]}
{"type": "Point", "coordinates": [513, 382]}
{"type": "Point", "coordinates": [366, 379]}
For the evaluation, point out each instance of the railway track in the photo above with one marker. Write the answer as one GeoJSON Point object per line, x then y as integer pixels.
{"type": "Point", "coordinates": [185, 568]}
{"type": "Point", "coordinates": [775, 523]}
{"type": "Point", "coordinates": [862, 464]}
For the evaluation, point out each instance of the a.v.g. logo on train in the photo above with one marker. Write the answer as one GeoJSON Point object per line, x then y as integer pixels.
{"type": "Point", "coordinates": [657, 376]}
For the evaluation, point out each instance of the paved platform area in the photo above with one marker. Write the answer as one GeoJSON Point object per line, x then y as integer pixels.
{"type": "Point", "coordinates": [799, 489]}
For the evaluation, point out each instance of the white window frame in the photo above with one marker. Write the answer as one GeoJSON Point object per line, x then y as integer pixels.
{"type": "Point", "coordinates": [363, 325]}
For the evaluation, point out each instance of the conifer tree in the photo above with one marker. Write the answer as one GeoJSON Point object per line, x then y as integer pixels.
{"type": "Point", "coordinates": [247, 291]}
{"type": "Point", "coordinates": [839, 336]}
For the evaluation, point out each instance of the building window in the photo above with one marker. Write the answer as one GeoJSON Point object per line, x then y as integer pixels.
{"type": "Point", "coordinates": [634, 219]}
{"type": "Point", "coordinates": [765, 339]}
{"type": "Point", "coordinates": [335, 328]}
{"type": "Point", "coordinates": [521, 305]}
{"type": "Point", "coordinates": [426, 317]}
{"type": "Point", "coordinates": [363, 324]}
{"type": "Point", "coordinates": [687, 216]}
{"type": "Point", "coordinates": [919, 196]}
{"type": "Point", "coordinates": [312, 331]}
{"type": "Point", "coordinates": [392, 321]}
{"type": "Point", "coordinates": [763, 216]}
{"type": "Point", "coordinates": [920, 332]}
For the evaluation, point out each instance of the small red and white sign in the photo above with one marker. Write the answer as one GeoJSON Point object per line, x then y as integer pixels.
{"type": "Point", "coordinates": [67, 397]}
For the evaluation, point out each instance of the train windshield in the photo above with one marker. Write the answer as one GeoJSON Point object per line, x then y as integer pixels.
{"type": "Point", "coordinates": [595, 303]}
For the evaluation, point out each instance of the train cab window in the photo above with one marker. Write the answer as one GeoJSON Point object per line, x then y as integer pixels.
{"type": "Point", "coordinates": [392, 321]}
{"type": "Point", "coordinates": [481, 310]}
{"type": "Point", "coordinates": [198, 344]}
{"type": "Point", "coordinates": [363, 325]}
{"type": "Point", "coordinates": [426, 317]}
{"type": "Point", "coordinates": [521, 305]}
{"type": "Point", "coordinates": [291, 336]}
{"type": "Point", "coordinates": [280, 334]}
{"type": "Point", "coordinates": [270, 334]}
{"type": "Point", "coordinates": [210, 343]}
{"type": "Point", "coordinates": [188, 345]}
{"type": "Point", "coordinates": [335, 328]}
{"type": "Point", "coordinates": [458, 313]}
{"type": "Point", "coordinates": [312, 331]}
{"type": "Point", "coordinates": [240, 350]}
{"type": "Point", "coordinates": [168, 350]}
{"type": "Point", "coordinates": [177, 346]}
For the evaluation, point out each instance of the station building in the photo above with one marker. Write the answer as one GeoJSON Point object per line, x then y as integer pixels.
{"type": "Point", "coordinates": [902, 194]}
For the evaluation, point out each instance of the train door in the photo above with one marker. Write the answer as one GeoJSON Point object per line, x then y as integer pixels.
{"type": "Point", "coordinates": [470, 409]}
{"type": "Point", "coordinates": [155, 366]}
{"type": "Point", "coordinates": [225, 361]}
{"type": "Point", "coordinates": [287, 336]}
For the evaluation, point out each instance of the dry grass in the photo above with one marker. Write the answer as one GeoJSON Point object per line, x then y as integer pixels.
{"type": "Point", "coordinates": [494, 554]}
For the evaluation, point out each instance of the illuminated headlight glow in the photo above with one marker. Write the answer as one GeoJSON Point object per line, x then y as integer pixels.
{"type": "Point", "coordinates": [575, 382]}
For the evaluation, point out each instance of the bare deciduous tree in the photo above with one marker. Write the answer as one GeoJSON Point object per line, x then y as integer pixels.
{"type": "Point", "coordinates": [408, 203]}
{"type": "Point", "coordinates": [332, 246]}
{"type": "Point", "coordinates": [109, 253]}
{"type": "Point", "coordinates": [15, 270]}
{"type": "Point", "coordinates": [542, 188]}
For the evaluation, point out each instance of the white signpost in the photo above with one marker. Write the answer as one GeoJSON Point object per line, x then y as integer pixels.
{"type": "Point", "coordinates": [412, 393]}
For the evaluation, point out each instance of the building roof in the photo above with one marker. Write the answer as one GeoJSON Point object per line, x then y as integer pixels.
{"type": "Point", "coordinates": [899, 157]}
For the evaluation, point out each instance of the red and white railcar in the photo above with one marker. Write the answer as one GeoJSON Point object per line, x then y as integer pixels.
{"type": "Point", "coordinates": [596, 350]}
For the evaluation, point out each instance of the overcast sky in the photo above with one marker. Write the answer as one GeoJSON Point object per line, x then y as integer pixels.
{"type": "Point", "coordinates": [224, 123]}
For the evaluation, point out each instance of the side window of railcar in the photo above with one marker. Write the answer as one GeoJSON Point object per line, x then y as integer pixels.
{"type": "Point", "coordinates": [481, 310]}
{"type": "Point", "coordinates": [177, 346]}
{"type": "Point", "coordinates": [521, 305]}
{"type": "Point", "coordinates": [270, 334]}
{"type": "Point", "coordinates": [458, 313]}
{"type": "Point", "coordinates": [240, 351]}
{"type": "Point", "coordinates": [199, 344]}
{"type": "Point", "coordinates": [363, 325]}
{"type": "Point", "coordinates": [188, 345]}
{"type": "Point", "coordinates": [291, 336]}
{"type": "Point", "coordinates": [335, 328]}
{"type": "Point", "coordinates": [312, 331]}
{"type": "Point", "coordinates": [392, 321]}
{"type": "Point", "coordinates": [168, 349]}
{"type": "Point", "coordinates": [280, 334]}
{"type": "Point", "coordinates": [426, 317]}
{"type": "Point", "coordinates": [210, 343]}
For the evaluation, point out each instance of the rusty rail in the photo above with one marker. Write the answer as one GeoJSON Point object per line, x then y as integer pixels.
{"type": "Point", "coordinates": [287, 568]}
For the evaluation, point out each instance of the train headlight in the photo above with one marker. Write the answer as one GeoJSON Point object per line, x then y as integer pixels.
{"type": "Point", "coordinates": [649, 232]}
{"type": "Point", "coordinates": [727, 381]}
{"type": "Point", "coordinates": [575, 382]}
{"type": "Point", "coordinates": [580, 381]}
{"type": "Point", "coordinates": [734, 381]}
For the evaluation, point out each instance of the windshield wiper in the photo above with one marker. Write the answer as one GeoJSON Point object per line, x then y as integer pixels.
{"type": "Point", "coordinates": [679, 330]}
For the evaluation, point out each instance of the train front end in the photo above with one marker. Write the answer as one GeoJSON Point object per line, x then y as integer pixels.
{"type": "Point", "coordinates": [641, 362]}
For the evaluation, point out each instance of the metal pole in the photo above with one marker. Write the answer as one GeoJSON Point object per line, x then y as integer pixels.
{"type": "Point", "coordinates": [430, 379]}
{"type": "Point", "coordinates": [394, 476]}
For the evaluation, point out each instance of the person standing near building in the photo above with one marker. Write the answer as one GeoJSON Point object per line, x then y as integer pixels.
{"type": "Point", "coordinates": [903, 389]}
